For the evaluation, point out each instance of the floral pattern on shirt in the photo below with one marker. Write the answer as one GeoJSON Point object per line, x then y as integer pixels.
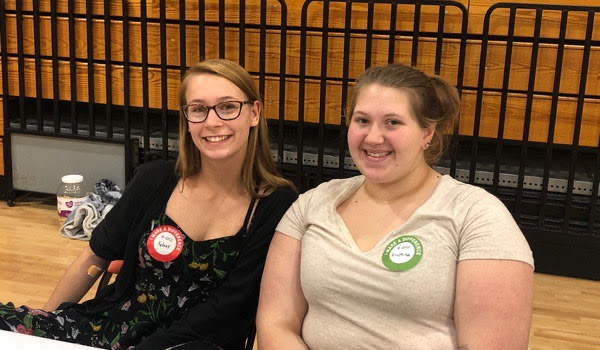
{"type": "Point", "coordinates": [162, 293]}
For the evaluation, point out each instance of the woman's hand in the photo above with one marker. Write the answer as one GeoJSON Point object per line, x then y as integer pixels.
{"type": "Point", "coordinates": [493, 304]}
{"type": "Point", "coordinates": [282, 306]}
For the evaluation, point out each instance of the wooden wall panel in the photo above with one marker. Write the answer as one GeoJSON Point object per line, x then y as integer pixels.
{"type": "Point", "coordinates": [63, 37]}
{"type": "Point", "coordinates": [172, 9]}
{"type": "Point", "coordinates": [311, 104]}
{"type": "Point", "coordinates": [381, 19]}
{"type": "Point", "coordinates": [379, 52]}
{"type": "Point", "coordinates": [252, 13]}
{"type": "Point", "coordinates": [153, 37]}
{"type": "Point", "coordinates": [380, 44]}
{"type": "Point", "coordinates": [526, 19]}
{"type": "Point", "coordinates": [494, 68]}
{"type": "Point", "coordinates": [520, 67]}
{"type": "Point", "coordinates": [154, 83]}
{"type": "Point", "coordinates": [477, 10]}
{"type": "Point", "coordinates": [80, 6]}
{"type": "Point", "coordinates": [335, 60]}
{"type": "Point", "coordinates": [513, 128]}
{"type": "Point", "coordinates": [564, 128]}
{"type": "Point", "coordinates": [515, 116]}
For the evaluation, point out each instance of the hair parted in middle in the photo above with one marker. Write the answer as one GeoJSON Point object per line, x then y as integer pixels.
{"type": "Point", "coordinates": [258, 168]}
{"type": "Point", "coordinates": [432, 100]}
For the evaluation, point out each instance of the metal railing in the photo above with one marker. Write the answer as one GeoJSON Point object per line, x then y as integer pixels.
{"type": "Point", "coordinates": [551, 188]}
{"type": "Point", "coordinates": [348, 31]}
{"type": "Point", "coordinates": [545, 178]}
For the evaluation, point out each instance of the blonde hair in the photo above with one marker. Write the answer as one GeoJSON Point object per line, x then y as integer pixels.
{"type": "Point", "coordinates": [432, 99]}
{"type": "Point", "coordinates": [258, 168]}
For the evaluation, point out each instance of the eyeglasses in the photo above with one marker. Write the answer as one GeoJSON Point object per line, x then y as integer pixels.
{"type": "Point", "coordinates": [226, 110]}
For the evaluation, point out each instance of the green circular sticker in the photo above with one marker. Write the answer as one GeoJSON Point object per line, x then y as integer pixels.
{"type": "Point", "coordinates": [403, 253]}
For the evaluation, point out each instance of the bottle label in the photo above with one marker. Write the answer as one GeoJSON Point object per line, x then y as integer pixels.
{"type": "Point", "coordinates": [66, 204]}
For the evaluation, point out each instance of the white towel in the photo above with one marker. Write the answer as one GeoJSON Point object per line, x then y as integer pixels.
{"type": "Point", "coordinates": [85, 220]}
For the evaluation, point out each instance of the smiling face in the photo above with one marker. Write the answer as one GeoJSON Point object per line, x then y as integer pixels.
{"type": "Point", "coordinates": [385, 140]}
{"type": "Point", "coordinates": [218, 139]}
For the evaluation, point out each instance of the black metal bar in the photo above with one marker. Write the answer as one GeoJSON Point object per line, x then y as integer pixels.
{"type": "Point", "coordinates": [323, 91]}
{"type": "Point", "coordinates": [479, 98]}
{"type": "Point", "coordinates": [369, 43]}
{"type": "Point", "coordinates": [6, 149]}
{"type": "Point", "coordinates": [55, 67]}
{"type": "Point", "coordinates": [182, 40]}
{"type": "Point", "coordinates": [392, 41]}
{"type": "Point", "coordinates": [242, 33]}
{"type": "Point", "coordinates": [73, 67]}
{"type": "Point", "coordinates": [345, 80]}
{"type": "Point", "coordinates": [90, 67]}
{"type": "Point", "coordinates": [282, 81]}
{"type": "Point", "coordinates": [221, 28]}
{"type": "Point", "coordinates": [164, 80]}
{"type": "Point", "coordinates": [126, 93]}
{"type": "Point", "coordinates": [534, 6]}
{"type": "Point", "coordinates": [301, 102]}
{"type": "Point", "coordinates": [504, 98]}
{"type": "Point", "coordinates": [578, 117]}
{"type": "Point", "coordinates": [552, 122]}
{"type": "Point", "coordinates": [38, 64]}
{"type": "Point", "coordinates": [456, 137]}
{"type": "Point", "coordinates": [145, 88]}
{"type": "Point", "coordinates": [201, 31]}
{"type": "Point", "coordinates": [108, 69]}
{"type": "Point", "coordinates": [528, 110]}
{"type": "Point", "coordinates": [440, 40]}
{"type": "Point", "coordinates": [263, 47]}
{"type": "Point", "coordinates": [595, 187]}
{"type": "Point", "coordinates": [21, 64]}
{"type": "Point", "coordinates": [417, 30]}
{"type": "Point", "coordinates": [3, 54]}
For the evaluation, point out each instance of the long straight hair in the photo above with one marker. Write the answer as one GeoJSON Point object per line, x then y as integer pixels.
{"type": "Point", "coordinates": [258, 168]}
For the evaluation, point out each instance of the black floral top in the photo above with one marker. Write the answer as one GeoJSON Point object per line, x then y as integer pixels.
{"type": "Point", "coordinates": [163, 293]}
{"type": "Point", "coordinates": [226, 317]}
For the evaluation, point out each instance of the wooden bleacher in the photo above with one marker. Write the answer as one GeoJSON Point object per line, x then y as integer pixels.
{"type": "Point", "coordinates": [495, 67]}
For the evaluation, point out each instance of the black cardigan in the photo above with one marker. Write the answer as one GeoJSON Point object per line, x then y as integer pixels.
{"type": "Point", "coordinates": [228, 314]}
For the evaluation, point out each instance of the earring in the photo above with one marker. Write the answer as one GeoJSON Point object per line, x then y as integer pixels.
{"type": "Point", "coordinates": [426, 146]}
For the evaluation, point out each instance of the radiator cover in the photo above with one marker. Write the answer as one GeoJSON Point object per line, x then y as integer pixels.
{"type": "Point", "coordinates": [39, 162]}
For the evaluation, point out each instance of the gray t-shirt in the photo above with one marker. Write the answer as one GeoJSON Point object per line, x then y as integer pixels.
{"type": "Point", "coordinates": [400, 294]}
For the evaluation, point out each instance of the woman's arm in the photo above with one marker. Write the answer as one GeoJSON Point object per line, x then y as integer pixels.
{"type": "Point", "coordinates": [493, 304]}
{"type": "Point", "coordinates": [76, 281]}
{"type": "Point", "coordinates": [109, 238]}
{"type": "Point", "coordinates": [282, 306]}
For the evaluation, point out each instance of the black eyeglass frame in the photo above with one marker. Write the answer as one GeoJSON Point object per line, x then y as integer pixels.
{"type": "Point", "coordinates": [214, 107]}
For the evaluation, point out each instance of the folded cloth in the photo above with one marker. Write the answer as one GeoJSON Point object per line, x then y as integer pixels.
{"type": "Point", "coordinates": [82, 221]}
{"type": "Point", "coordinates": [85, 220]}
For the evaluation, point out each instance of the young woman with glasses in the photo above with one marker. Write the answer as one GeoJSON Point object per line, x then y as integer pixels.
{"type": "Point", "coordinates": [193, 235]}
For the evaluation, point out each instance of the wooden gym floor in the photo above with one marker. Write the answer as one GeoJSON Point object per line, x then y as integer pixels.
{"type": "Point", "coordinates": [33, 256]}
